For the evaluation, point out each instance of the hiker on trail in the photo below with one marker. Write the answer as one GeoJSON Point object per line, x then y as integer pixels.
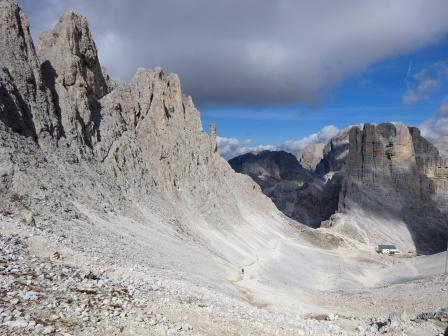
{"type": "Point", "coordinates": [242, 270]}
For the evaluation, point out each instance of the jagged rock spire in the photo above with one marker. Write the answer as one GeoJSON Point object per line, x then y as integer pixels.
{"type": "Point", "coordinates": [213, 138]}
{"type": "Point", "coordinates": [73, 73]}
{"type": "Point", "coordinates": [25, 104]}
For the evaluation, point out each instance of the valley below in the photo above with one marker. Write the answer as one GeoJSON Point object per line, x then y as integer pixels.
{"type": "Point", "coordinates": [291, 287]}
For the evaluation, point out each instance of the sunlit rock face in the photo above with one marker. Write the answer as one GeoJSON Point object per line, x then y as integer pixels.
{"type": "Point", "coordinates": [311, 156]}
{"type": "Point", "coordinates": [72, 72]}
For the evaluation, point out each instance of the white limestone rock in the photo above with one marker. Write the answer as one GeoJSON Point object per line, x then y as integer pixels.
{"type": "Point", "coordinates": [71, 69]}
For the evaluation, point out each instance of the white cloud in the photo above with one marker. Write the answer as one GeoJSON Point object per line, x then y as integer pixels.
{"type": "Point", "coordinates": [323, 136]}
{"type": "Point", "coordinates": [437, 126]}
{"type": "Point", "coordinates": [423, 83]}
{"type": "Point", "coordinates": [231, 147]}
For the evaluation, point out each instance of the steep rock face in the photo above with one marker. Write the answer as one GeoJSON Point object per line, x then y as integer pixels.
{"type": "Point", "coordinates": [138, 141]}
{"type": "Point", "coordinates": [395, 174]}
{"type": "Point", "coordinates": [25, 103]}
{"type": "Point", "coordinates": [376, 152]}
{"type": "Point", "coordinates": [311, 156]}
{"type": "Point", "coordinates": [434, 166]}
{"type": "Point", "coordinates": [334, 155]}
{"type": "Point", "coordinates": [297, 192]}
{"type": "Point", "coordinates": [424, 150]}
{"type": "Point", "coordinates": [271, 166]}
{"type": "Point", "coordinates": [72, 71]}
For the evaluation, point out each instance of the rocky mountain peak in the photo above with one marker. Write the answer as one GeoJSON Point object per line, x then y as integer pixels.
{"type": "Point", "coordinates": [73, 73]}
{"type": "Point", "coordinates": [374, 183]}
{"type": "Point", "coordinates": [71, 51]}
{"type": "Point", "coordinates": [393, 173]}
{"type": "Point", "coordinates": [26, 104]}
{"type": "Point", "coordinates": [311, 156]}
{"type": "Point", "coordinates": [137, 148]}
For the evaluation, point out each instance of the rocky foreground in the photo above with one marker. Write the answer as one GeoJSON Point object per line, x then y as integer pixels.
{"type": "Point", "coordinates": [45, 293]}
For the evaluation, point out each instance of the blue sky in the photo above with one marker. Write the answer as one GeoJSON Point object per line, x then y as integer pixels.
{"type": "Point", "coordinates": [374, 95]}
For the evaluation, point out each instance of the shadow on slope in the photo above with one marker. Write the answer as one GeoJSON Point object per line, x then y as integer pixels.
{"type": "Point", "coordinates": [296, 191]}
{"type": "Point", "coordinates": [425, 223]}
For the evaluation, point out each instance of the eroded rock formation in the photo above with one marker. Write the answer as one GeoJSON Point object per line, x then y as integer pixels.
{"type": "Point", "coordinates": [311, 156]}
{"type": "Point", "coordinates": [72, 71]}
{"type": "Point", "coordinates": [394, 174]}
{"type": "Point", "coordinates": [25, 102]}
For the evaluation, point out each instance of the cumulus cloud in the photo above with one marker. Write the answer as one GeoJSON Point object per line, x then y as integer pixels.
{"type": "Point", "coordinates": [425, 82]}
{"type": "Point", "coordinates": [323, 136]}
{"type": "Point", "coordinates": [255, 52]}
{"type": "Point", "coordinates": [231, 147]}
{"type": "Point", "coordinates": [437, 126]}
{"type": "Point", "coordinates": [420, 87]}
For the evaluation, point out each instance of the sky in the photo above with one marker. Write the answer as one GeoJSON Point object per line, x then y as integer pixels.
{"type": "Point", "coordinates": [280, 74]}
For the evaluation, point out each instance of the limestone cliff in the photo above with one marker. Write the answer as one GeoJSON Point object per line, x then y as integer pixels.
{"type": "Point", "coordinates": [71, 70]}
{"type": "Point", "coordinates": [25, 102]}
{"type": "Point", "coordinates": [311, 156]}
{"type": "Point", "coordinates": [334, 155]}
{"type": "Point", "coordinates": [394, 174]}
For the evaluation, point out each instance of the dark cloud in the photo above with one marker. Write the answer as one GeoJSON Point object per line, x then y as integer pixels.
{"type": "Point", "coordinates": [252, 51]}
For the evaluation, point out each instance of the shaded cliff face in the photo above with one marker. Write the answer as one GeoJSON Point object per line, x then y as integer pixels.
{"type": "Point", "coordinates": [269, 167]}
{"type": "Point", "coordinates": [334, 155]}
{"type": "Point", "coordinates": [297, 192]}
{"type": "Point", "coordinates": [394, 174]}
{"type": "Point", "coordinates": [25, 102]}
